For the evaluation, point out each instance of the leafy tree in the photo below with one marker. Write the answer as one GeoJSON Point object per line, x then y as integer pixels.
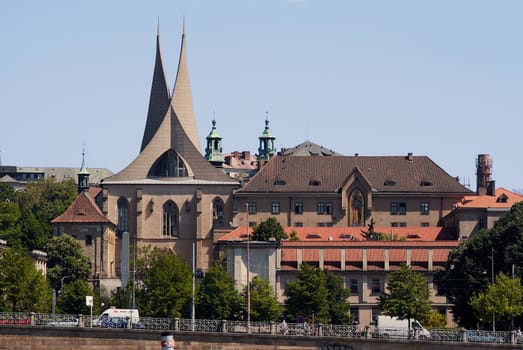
{"type": "Point", "coordinates": [218, 298]}
{"type": "Point", "coordinates": [264, 304]}
{"type": "Point", "coordinates": [22, 286]}
{"type": "Point", "coordinates": [308, 295]}
{"type": "Point", "coordinates": [9, 223]}
{"type": "Point", "coordinates": [41, 202]}
{"type": "Point", "coordinates": [504, 299]}
{"type": "Point", "coordinates": [408, 295]}
{"type": "Point", "coordinates": [66, 262]}
{"type": "Point", "coordinates": [71, 298]}
{"type": "Point", "coordinates": [167, 286]}
{"type": "Point", "coordinates": [469, 267]}
{"type": "Point", "coordinates": [435, 320]}
{"type": "Point", "coordinates": [267, 229]}
{"type": "Point", "coordinates": [339, 308]}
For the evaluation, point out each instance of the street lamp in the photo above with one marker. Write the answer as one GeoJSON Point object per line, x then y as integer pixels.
{"type": "Point", "coordinates": [248, 272]}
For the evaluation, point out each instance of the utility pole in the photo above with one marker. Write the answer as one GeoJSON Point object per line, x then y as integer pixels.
{"type": "Point", "coordinates": [493, 283]}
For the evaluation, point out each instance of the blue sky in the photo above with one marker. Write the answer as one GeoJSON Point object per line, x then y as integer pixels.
{"type": "Point", "coordinates": [441, 78]}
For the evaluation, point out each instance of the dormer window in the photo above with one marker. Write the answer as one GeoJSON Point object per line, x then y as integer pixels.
{"type": "Point", "coordinates": [425, 183]}
{"type": "Point", "coordinates": [315, 183]}
{"type": "Point", "coordinates": [313, 235]}
{"type": "Point", "coordinates": [389, 183]}
{"type": "Point", "coordinates": [502, 199]}
{"type": "Point", "coordinates": [280, 182]}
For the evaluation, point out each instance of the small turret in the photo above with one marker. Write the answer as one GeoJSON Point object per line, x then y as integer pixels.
{"type": "Point", "coordinates": [83, 177]}
{"type": "Point", "coordinates": [213, 151]}
{"type": "Point", "coordinates": [266, 150]}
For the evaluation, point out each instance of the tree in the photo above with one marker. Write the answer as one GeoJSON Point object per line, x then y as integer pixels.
{"type": "Point", "coordinates": [22, 286]}
{"type": "Point", "coordinates": [267, 229]}
{"type": "Point", "coordinates": [167, 284]}
{"type": "Point", "coordinates": [337, 298]}
{"type": "Point", "coordinates": [308, 295]}
{"type": "Point", "coordinates": [41, 202]}
{"type": "Point", "coordinates": [435, 320]}
{"type": "Point", "coordinates": [504, 299]}
{"type": "Point", "coordinates": [66, 262]}
{"type": "Point", "coordinates": [218, 298]}
{"type": "Point", "coordinates": [472, 264]}
{"type": "Point", "coordinates": [71, 298]}
{"type": "Point", "coordinates": [264, 304]}
{"type": "Point", "coordinates": [407, 295]}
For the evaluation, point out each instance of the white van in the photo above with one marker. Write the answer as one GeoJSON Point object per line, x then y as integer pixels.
{"type": "Point", "coordinates": [393, 327]}
{"type": "Point", "coordinates": [119, 314]}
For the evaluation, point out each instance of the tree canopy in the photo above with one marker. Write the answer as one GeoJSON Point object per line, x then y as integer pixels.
{"type": "Point", "coordinates": [268, 229]}
{"type": "Point", "coordinates": [470, 266]}
{"type": "Point", "coordinates": [264, 304]}
{"type": "Point", "coordinates": [407, 295]}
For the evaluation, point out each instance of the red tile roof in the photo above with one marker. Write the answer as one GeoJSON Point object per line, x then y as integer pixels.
{"type": "Point", "coordinates": [503, 199]}
{"type": "Point", "coordinates": [83, 209]}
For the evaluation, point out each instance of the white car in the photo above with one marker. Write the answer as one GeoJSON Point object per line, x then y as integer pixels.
{"type": "Point", "coordinates": [72, 322]}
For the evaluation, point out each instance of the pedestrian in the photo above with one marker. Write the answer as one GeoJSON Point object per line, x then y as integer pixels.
{"type": "Point", "coordinates": [283, 327]}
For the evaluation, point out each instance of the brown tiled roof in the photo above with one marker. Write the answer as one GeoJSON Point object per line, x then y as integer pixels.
{"type": "Point", "coordinates": [384, 173]}
{"type": "Point", "coordinates": [83, 209]}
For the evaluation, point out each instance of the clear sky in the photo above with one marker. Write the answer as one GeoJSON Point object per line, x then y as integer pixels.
{"type": "Point", "coordinates": [436, 78]}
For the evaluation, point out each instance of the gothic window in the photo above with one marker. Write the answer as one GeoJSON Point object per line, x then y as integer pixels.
{"type": "Point", "coordinates": [170, 219]}
{"type": "Point", "coordinates": [170, 164]}
{"type": "Point", "coordinates": [356, 209]}
{"type": "Point", "coordinates": [217, 212]}
{"type": "Point", "coordinates": [123, 215]}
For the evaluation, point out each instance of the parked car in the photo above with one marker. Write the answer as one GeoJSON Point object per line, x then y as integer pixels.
{"type": "Point", "coordinates": [65, 322]}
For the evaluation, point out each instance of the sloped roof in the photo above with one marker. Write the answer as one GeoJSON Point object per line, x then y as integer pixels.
{"type": "Point", "coordinates": [83, 210]}
{"type": "Point", "coordinates": [309, 148]}
{"type": "Point", "coordinates": [502, 199]}
{"type": "Point", "coordinates": [314, 235]}
{"type": "Point", "coordinates": [385, 174]}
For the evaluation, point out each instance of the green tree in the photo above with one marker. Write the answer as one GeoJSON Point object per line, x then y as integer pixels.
{"type": "Point", "coordinates": [264, 304]}
{"type": "Point", "coordinates": [71, 298]}
{"type": "Point", "coordinates": [407, 295]}
{"type": "Point", "coordinates": [504, 299]}
{"type": "Point", "coordinates": [267, 229]}
{"type": "Point", "coordinates": [308, 295]}
{"type": "Point", "coordinates": [337, 299]}
{"type": "Point", "coordinates": [218, 298]}
{"type": "Point", "coordinates": [472, 262]}
{"type": "Point", "coordinates": [9, 223]}
{"type": "Point", "coordinates": [167, 284]}
{"type": "Point", "coordinates": [41, 202]}
{"type": "Point", "coordinates": [435, 320]}
{"type": "Point", "coordinates": [66, 262]}
{"type": "Point", "coordinates": [22, 286]}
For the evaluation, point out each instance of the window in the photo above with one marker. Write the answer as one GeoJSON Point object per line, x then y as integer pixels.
{"type": "Point", "coordinates": [298, 208]}
{"type": "Point", "coordinates": [375, 286]}
{"type": "Point", "coordinates": [354, 286]}
{"type": "Point", "coordinates": [170, 219]}
{"type": "Point", "coordinates": [298, 224]}
{"type": "Point", "coordinates": [88, 240]}
{"type": "Point", "coordinates": [398, 224]}
{"type": "Point", "coordinates": [320, 208]}
{"type": "Point", "coordinates": [321, 224]}
{"type": "Point", "coordinates": [168, 165]}
{"type": "Point", "coordinates": [424, 208]}
{"type": "Point", "coordinates": [425, 224]}
{"type": "Point", "coordinates": [328, 208]}
{"type": "Point", "coordinates": [354, 315]}
{"type": "Point", "coordinates": [252, 207]}
{"type": "Point", "coordinates": [123, 215]}
{"type": "Point", "coordinates": [393, 208]}
{"type": "Point", "coordinates": [402, 208]}
{"type": "Point", "coordinates": [275, 208]}
{"type": "Point", "coordinates": [217, 212]}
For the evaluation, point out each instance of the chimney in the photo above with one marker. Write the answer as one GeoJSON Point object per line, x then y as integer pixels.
{"type": "Point", "coordinates": [246, 155]}
{"type": "Point", "coordinates": [491, 189]}
{"type": "Point", "coordinates": [483, 172]}
{"type": "Point", "coordinates": [409, 157]}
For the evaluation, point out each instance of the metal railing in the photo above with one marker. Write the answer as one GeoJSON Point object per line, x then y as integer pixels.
{"type": "Point", "coordinates": [262, 328]}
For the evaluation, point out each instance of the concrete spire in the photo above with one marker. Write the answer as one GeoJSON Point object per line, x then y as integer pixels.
{"type": "Point", "coordinates": [159, 98]}
{"type": "Point", "coordinates": [182, 98]}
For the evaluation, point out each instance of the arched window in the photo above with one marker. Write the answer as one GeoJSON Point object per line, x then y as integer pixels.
{"type": "Point", "coordinates": [123, 215]}
{"type": "Point", "coordinates": [170, 219]}
{"type": "Point", "coordinates": [356, 209]}
{"type": "Point", "coordinates": [170, 164]}
{"type": "Point", "coordinates": [217, 212]}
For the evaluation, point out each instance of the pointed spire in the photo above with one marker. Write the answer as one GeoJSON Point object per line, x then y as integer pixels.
{"type": "Point", "coordinates": [159, 98]}
{"type": "Point", "coordinates": [83, 176]}
{"type": "Point", "coordinates": [182, 98]}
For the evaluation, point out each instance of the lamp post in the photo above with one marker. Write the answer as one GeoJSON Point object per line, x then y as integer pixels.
{"type": "Point", "coordinates": [493, 283]}
{"type": "Point", "coordinates": [248, 272]}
